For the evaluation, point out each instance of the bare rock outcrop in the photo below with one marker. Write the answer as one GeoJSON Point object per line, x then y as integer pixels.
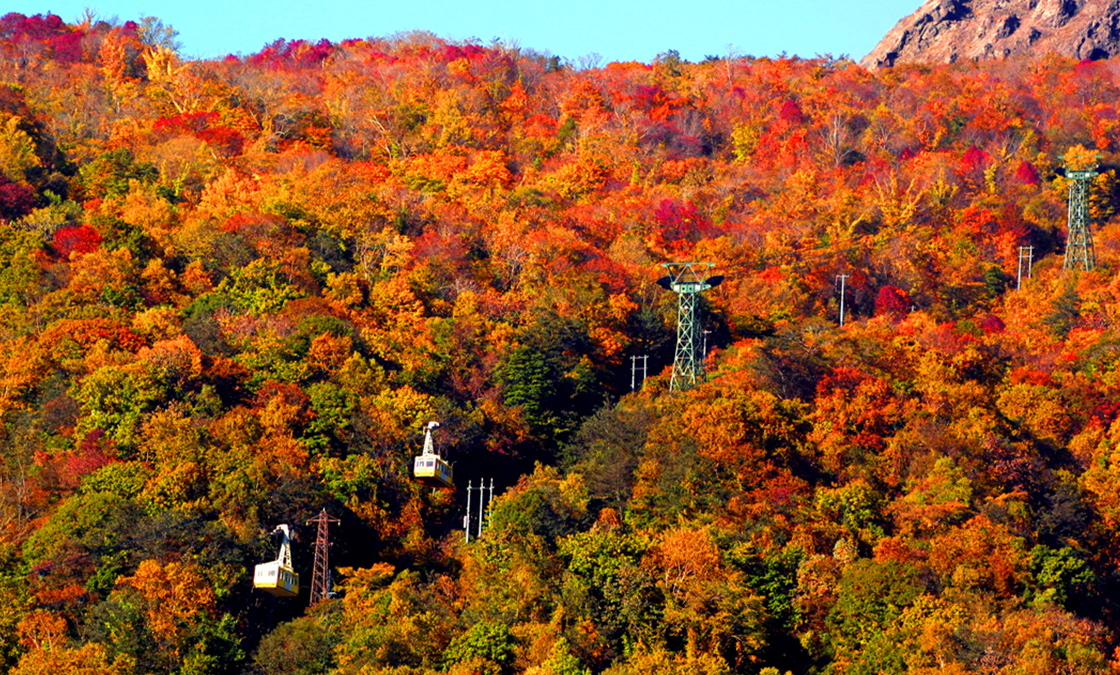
{"type": "Point", "coordinates": [946, 31]}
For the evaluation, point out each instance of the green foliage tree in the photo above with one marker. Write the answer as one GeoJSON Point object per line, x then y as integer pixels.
{"type": "Point", "coordinates": [303, 646]}
{"type": "Point", "coordinates": [551, 379]}
{"type": "Point", "coordinates": [110, 173]}
{"type": "Point", "coordinates": [115, 400]}
{"type": "Point", "coordinates": [870, 597]}
{"type": "Point", "coordinates": [486, 645]}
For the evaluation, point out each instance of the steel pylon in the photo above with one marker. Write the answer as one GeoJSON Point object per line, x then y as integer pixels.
{"type": "Point", "coordinates": [320, 579]}
{"type": "Point", "coordinates": [688, 280]}
{"type": "Point", "coordinates": [1079, 241]}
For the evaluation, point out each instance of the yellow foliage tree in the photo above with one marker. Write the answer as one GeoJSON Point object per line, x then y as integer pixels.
{"type": "Point", "coordinates": [177, 596]}
{"type": "Point", "coordinates": [88, 659]}
{"type": "Point", "coordinates": [17, 149]}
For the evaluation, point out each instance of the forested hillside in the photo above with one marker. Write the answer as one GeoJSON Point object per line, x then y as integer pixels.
{"type": "Point", "coordinates": [234, 292]}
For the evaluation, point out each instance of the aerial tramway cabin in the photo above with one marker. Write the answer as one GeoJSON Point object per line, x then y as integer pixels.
{"type": "Point", "coordinates": [278, 577]}
{"type": "Point", "coordinates": [429, 468]}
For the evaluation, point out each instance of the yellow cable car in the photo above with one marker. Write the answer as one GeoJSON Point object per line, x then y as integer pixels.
{"type": "Point", "coordinates": [278, 577]}
{"type": "Point", "coordinates": [429, 468]}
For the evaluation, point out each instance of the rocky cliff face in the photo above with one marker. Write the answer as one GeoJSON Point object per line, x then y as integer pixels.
{"type": "Point", "coordinates": [945, 31]}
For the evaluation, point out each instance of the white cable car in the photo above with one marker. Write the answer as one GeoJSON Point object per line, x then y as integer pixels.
{"type": "Point", "coordinates": [278, 577]}
{"type": "Point", "coordinates": [429, 468]}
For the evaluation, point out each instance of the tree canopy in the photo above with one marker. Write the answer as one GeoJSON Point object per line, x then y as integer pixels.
{"type": "Point", "coordinates": [233, 292]}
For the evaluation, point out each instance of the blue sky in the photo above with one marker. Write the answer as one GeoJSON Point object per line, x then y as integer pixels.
{"type": "Point", "coordinates": [617, 30]}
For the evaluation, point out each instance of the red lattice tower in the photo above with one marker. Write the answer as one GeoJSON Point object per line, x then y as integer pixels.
{"type": "Point", "coordinates": [320, 579]}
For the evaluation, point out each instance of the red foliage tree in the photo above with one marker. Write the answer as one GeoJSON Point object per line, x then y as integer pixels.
{"type": "Point", "coordinates": [75, 239]}
{"type": "Point", "coordinates": [974, 159]}
{"type": "Point", "coordinates": [60, 41]}
{"type": "Point", "coordinates": [206, 126]}
{"type": "Point", "coordinates": [294, 54]}
{"type": "Point", "coordinates": [1027, 174]}
{"type": "Point", "coordinates": [992, 324]}
{"type": "Point", "coordinates": [892, 301]}
{"type": "Point", "coordinates": [791, 112]}
{"type": "Point", "coordinates": [16, 199]}
{"type": "Point", "coordinates": [93, 452]}
{"type": "Point", "coordinates": [680, 222]}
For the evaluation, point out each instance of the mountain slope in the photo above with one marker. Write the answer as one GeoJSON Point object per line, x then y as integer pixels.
{"type": "Point", "coordinates": [945, 31]}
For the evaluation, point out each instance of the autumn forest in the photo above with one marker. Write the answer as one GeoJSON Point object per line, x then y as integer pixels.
{"type": "Point", "coordinates": [234, 292]}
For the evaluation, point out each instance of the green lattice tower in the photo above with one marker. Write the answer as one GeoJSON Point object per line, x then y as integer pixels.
{"type": "Point", "coordinates": [688, 280]}
{"type": "Point", "coordinates": [1079, 242]}
{"type": "Point", "coordinates": [688, 362]}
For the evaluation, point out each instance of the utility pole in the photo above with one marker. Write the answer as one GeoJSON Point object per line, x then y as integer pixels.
{"type": "Point", "coordinates": [634, 370]}
{"type": "Point", "coordinates": [1029, 252]}
{"type": "Point", "coordinates": [481, 503]}
{"type": "Point", "coordinates": [320, 579]}
{"type": "Point", "coordinates": [1079, 241]}
{"type": "Point", "coordinates": [489, 500]}
{"type": "Point", "coordinates": [688, 280]}
{"type": "Point", "coordinates": [467, 516]}
{"type": "Point", "coordinates": [843, 279]}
